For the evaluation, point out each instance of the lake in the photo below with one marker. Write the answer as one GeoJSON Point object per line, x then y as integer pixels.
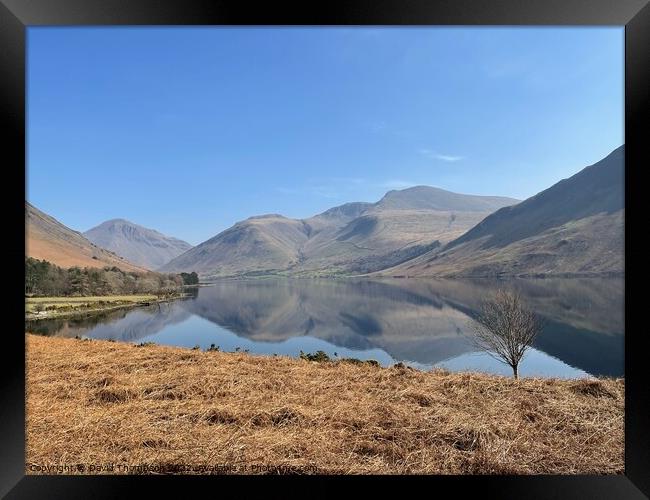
{"type": "Point", "coordinates": [421, 322]}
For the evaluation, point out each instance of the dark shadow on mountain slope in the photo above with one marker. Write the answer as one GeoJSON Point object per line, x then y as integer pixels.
{"type": "Point", "coordinates": [359, 228]}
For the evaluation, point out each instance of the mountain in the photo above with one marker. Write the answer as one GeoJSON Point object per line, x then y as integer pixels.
{"type": "Point", "coordinates": [401, 225]}
{"type": "Point", "coordinates": [262, 243]}
{"type": "Point", "coordinates": [48, 239]}
{"type": "Point", "coordinates": [431, 198]}
{"type": "Point", "coordinates": [574, 227]}
{"type": "Point", "coordinates": [354, 238]}
{"type": "Point", "coordinates": [140, 245]}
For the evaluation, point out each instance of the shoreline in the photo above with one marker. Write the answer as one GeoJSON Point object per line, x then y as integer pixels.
{"type": "Point", "coordinates": [377, 277]}
{"type": "Point", "coordinates": [108, 306]}
{"type": "Point", "coordinates": [100, 402]}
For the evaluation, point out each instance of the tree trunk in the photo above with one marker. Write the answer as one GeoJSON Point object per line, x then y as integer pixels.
{"type": "Point", "coordinates": [515, 371]}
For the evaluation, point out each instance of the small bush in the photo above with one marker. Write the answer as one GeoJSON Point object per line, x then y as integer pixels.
{"type": "Point", "coordinates": [318, 356]}
{"type": "Point", "coordinates": [213, 348]}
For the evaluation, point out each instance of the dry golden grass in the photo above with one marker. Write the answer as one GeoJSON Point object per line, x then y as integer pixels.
{"type": "Point", "coordinates": [97, 402]}
{"type": "Point", "coordinates": [69, 253]}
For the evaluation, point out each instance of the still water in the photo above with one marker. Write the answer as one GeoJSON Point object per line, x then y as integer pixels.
{"type": "Point", "coordinates": [423, 323]}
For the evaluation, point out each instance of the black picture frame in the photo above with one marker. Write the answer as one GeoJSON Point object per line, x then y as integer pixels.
{"type": "Point", "coordinates": [17, 15]}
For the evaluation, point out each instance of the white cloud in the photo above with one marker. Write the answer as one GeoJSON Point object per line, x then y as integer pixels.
{"type": "Point", "coordinates": [437, 156]}
{"type": "Point", "coordinates": [449, 158]}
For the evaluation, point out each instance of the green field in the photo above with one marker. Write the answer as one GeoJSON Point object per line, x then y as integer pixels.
{"type": "Point", "coordinates": [101, 298]}
{"type": "Point", "coordinates": [56, 306]}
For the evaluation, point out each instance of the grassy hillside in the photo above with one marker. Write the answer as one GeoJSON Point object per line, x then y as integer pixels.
{"type": "Point", "coordinates": [382, 238]}
{"type": "Point", "coordinates": [270, 242]}
{"type": "Point", "coordinates": [48, 239]}
{"type": "Point", "coordinates": [85, 406]}
{"type": "Point", "coordinates": [575, 227]}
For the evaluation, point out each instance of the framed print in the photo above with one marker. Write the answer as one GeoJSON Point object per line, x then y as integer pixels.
{"type": "Point", "coordinates": [352, 240]}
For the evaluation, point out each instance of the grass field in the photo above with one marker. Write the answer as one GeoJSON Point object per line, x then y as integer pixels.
{"type": "Point", "coordinates": [99, 402]}
{"type": "Point", "coordinates": [49, 307]}
{"type": "Point", "coordinates": [74, 300]}
{"type": "Point", "coordinates": [31, 301]}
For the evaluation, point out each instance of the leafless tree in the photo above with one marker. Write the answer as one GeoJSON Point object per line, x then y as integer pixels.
{"type": "Point", "coordinates": [505, 328]}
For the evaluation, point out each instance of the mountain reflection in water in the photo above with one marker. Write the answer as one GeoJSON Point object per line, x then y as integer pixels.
{"type": "Point", "coordinates": [419, 321]}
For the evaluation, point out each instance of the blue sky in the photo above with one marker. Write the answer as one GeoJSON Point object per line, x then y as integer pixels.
{"type": "Point", "coordinates": [188, 130]}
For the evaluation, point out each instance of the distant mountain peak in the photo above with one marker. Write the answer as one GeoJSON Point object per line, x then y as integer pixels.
{"type": "Point", "coordinates": [141, 245]}
{"type": "Point", "coordinates": [434, 198]}
{"type": "Point", "coordinates": [118, 221]}
{"type": "Point", "coordinates": [267, 216]}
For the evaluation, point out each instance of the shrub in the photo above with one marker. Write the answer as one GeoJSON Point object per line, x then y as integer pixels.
{"type": "Point", "coordinates": [318, 356]}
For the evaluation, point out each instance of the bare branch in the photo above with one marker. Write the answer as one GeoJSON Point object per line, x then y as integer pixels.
{"type": "Point", "coordinates": [505, 328]}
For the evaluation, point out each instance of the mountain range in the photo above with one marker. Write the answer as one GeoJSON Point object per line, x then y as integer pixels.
{"type": "Point", "coordinates": [354, 238]}
{"type": "Point", "coordinates": [575, 227]}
